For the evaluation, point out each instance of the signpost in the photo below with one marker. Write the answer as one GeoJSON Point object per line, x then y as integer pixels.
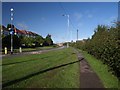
{"type": "Point", "coordinates": [11, 30]}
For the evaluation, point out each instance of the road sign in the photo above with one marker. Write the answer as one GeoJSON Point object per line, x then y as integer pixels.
{"type": "Point", "coordinates": [12, 31]}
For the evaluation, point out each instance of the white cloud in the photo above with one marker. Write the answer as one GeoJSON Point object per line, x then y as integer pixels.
{"type": "Point", "coordinates": [111, 19]}
{"type": "Point", "coordinates": [78, 16]}
{"type": "Point", "coordinates": [42, 18]}
{"type": "Point", "coordinates": [79, 24]}
{"type": "Point", "coordinates": [87, 11]}
{"type": "Point", "coordinates": [90, 15]}
{"type": "Point", "coordinates": [22, 25]}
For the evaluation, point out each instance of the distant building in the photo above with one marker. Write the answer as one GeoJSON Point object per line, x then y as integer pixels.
{"type": "Point", "coordinates": [19, 32]}
{"type": "Point", "coordinates": [60, 44]}
{"type": "Point", "coordinates": [5, 31]}
{"type": "Point", "coordinates": [26, 33]}
{"type": "Point", "coordinates": [84, 40]}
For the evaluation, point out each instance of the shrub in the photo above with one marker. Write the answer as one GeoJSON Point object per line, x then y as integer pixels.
{"type": "Point", "coordinates": [105, 45]}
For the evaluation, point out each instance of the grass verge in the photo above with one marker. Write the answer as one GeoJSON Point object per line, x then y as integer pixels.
{"type": "Point", "coordinates": [34, 49]}
{"type": "Point", "coordinates": [109, 80]}
{"type": "Point", "coordinates": [54, 69]}
{"type": "Point", "coordinates": [30, 49]}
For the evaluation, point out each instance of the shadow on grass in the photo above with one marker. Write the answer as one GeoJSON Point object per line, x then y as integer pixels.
{"type": "Point", "coordinates": [34, 74]}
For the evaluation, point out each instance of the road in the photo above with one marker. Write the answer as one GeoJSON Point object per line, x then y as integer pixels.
{"type": "Point", "coordinates": [32, 52]}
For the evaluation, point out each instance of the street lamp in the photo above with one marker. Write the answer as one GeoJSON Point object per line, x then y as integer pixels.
{"type": "Point", "coordinates": [68, 28]}
{"type": "Point", "coordinates": [77, 34]}
{"type": "Point", "coordinates": [11, 32]}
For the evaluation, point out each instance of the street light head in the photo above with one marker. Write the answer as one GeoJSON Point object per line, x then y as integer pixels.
{"type": "Point", "coordinates": [63, 15]}
{"type": "Point", "coordinates": [11, 9]}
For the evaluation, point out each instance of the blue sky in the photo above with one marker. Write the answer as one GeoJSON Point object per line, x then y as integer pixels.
{"type": "Point", "coordinates": [46, 17]}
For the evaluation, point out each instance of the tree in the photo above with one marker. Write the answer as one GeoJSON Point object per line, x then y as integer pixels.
{"type": "Point", "coordinates": [48, 41]}
{"type": "Point", "coordinates": [6, 41]}
{"type": "Point", "coordinates": [39, 40]}
{"type": "Point", "coordinates": [9, 26]}
{"type": "Point", "coordinates": [105, 45]}
{"type": "Point", "coordinates": [28, 41]}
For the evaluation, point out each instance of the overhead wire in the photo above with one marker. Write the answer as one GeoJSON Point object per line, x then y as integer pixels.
{"type": "Point", "coordinates": [66, 12]}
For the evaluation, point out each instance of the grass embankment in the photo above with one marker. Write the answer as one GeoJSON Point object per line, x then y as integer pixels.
{"type": "Point", "coordinates": [109, 80]}
{"type": "Point", "coordinates": [54, 69]}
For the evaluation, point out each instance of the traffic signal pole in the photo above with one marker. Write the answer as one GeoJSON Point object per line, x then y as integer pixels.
{"type": "Point", "coordinates": [12, 30]}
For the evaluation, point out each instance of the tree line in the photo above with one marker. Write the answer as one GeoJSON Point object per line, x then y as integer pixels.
{"type": "Point", "coordinates": [25, 41]}
{"type": "Point", "coordinates": [105, 46]}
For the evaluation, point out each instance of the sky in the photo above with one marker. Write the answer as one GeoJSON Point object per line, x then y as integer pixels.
{"type": "Point", "coordinates": [47, 18]}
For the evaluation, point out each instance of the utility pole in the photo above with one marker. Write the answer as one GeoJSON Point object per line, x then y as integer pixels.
{"type": "Point", "coordinates": [11, 30]}
{"type": "Point", "coordinates": [77, 34]}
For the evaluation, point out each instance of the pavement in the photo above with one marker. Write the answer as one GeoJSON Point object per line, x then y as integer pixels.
{"type": "Point", "coordinates": [88, 78]}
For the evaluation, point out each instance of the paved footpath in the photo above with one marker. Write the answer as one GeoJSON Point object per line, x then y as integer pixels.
{"type": "Point", "coordinates": [88, 78]}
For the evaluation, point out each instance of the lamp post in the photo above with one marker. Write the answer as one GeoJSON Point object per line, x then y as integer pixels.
{"type": "Point", "coordinates": [77, 34]}
{"type": "Point", "coordinates": [11, 30]}
{"type": "Point", "coordinates": [68, 27]}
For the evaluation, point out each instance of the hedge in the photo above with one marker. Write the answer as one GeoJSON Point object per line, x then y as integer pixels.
{"type": "Point", "coordinates": [105, 45]}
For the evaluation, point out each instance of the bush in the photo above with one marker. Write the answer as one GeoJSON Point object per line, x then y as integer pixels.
{"type": "Point", "coordinates": [105, 45]}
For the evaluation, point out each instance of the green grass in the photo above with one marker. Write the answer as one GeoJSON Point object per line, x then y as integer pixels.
{"type": "Point", "coordinates": [45, 47]}
{"type": "Point", "coordinates": [37, 48]}
{"type": "Point", "coordinates": [30, 70]}
{"type": "Point", "coordinates": [31, 49]}
{"type": "Point", "coordinates": [109, 80]}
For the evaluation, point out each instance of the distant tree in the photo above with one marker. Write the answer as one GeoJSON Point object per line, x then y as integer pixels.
{"type": "Point", "coordinates": [48, 41]}
{"type": "Point", "coordinates": [31, 42]}
{"type": "Point", "coordinates": [65, 43]}
{"type": "Point", "coordinates": [27, 41]}
{"type": "Point", "coordinates": [9, 26]}
{"type": "Point", "coordinates": [39, 40]}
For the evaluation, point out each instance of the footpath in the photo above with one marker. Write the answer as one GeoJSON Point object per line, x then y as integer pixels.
{"type": "Point", "coordinates": [88, 78]}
